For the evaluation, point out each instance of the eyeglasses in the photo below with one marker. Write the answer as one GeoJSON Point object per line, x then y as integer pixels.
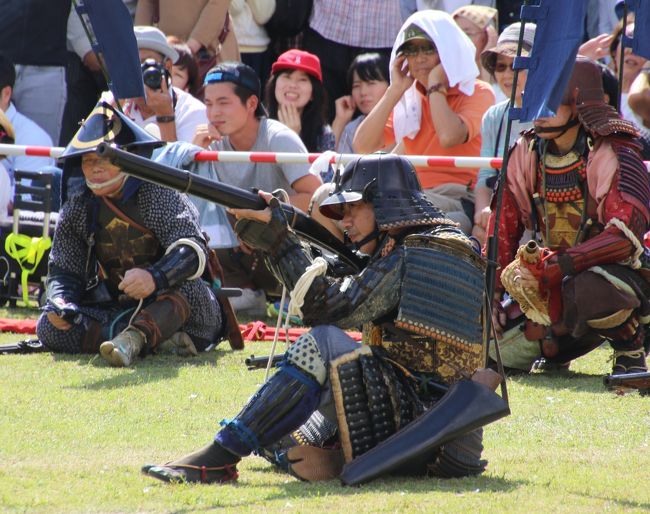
{"type": "Point", "coordinates": [412, 51]}
{"type": "Point", "coordinates": [501, 67]}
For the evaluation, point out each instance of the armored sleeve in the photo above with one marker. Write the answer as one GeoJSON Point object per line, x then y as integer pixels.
{"type": "Point", "coordinates": [510, 231]}
{"type": "Point", "coordinates": [172, 218]}
{"type": "Point", "coordinates": [176, 266]}
{"type": "Point", "coordinates": [63, 286]}
{"type": "Point", "coordinates": [69, 253]}
{"type": "Point", "coordinates": [345, 301]}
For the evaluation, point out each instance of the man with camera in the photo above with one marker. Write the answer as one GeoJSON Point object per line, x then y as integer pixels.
{"type": "Point", "coordinates": [166, 111]}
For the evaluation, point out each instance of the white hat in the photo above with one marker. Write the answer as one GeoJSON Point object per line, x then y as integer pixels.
{"type": "Point", "coordinates": [151, 38]}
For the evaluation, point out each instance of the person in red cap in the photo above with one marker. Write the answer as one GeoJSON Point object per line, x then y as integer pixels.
{"type": "Point", "coordinates": [296, 97]}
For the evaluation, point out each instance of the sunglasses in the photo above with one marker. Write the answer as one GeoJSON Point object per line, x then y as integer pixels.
{"type": "Point", "coordinates": [501, 67]}
{"type": "Point", "coordinates": [412, 50]}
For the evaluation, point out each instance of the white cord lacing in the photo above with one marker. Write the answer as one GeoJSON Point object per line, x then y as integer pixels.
{"type": "Point", "coordinates": [199, 252]}
{"type": "Point", "coordinates": [315, 269]}
{"type": "Point", "coordinates": [318, 267]}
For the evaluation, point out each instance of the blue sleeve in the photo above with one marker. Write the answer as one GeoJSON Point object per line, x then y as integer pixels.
{"type": "Point", "coordinates": [489, 129]}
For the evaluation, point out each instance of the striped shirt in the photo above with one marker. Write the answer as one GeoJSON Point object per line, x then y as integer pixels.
{"type": "Point", "coordinates": [359, 23]}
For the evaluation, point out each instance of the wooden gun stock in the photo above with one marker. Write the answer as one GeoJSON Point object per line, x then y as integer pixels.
{"type": "Point", "coordinates": [640, 381]}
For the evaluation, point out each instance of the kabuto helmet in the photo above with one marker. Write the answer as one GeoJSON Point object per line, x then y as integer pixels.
{"type": "Point", "coordinates": [390, 184]}
{"type": "Point", "coordinates": [104, 124]}
{"type": "Point", "coordinates": [585, 91]}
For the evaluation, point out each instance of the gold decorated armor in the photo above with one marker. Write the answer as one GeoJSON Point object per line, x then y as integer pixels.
{"type": "Point", "coordinates": [121, 246]}
{"type": "Point", "coordinates": [561, 201]}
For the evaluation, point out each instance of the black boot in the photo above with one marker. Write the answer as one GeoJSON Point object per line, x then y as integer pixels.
{"type": "Point", "coordinates": [211, 464]}
{"type": "Point", "coordinates": [629, 353]}
{"type": "Point", "coordinates": [631, 361]}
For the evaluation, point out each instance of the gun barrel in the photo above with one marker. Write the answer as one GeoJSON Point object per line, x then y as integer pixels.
{"type": "Point", "coordinates": [253, 362]}
{"type": "Point", "coordinates": [224, 194]}
{"type": "Point", "coordinates": [639, 380]}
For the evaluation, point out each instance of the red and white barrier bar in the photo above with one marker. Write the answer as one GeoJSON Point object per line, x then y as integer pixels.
{"type": "Point", "coordinates": [285, 157]}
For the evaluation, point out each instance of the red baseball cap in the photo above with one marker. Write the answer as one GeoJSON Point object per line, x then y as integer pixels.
{"type": "Point", "coordinates": [295, 59]}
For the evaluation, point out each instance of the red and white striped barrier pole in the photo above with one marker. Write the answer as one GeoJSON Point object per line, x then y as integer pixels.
{"type": "Point", "coordinates": [33, 151]}
{"type": "Point", "coordinates": [286, 158]}
{"type": "Point", "coordinates": [279, 157]}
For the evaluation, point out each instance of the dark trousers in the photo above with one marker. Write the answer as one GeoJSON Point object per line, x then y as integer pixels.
{"type": "Point", "coordinates": [335, 60]}
{"type": "Point", "coordinates": [261, 63]}
{"type": "Point", "coordinates": [84, 89]}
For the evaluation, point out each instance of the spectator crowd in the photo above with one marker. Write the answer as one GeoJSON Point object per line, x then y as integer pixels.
{"type": "Point", "coordinates": [425, 77]}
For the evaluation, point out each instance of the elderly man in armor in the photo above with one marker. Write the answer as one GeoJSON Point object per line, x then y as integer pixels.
{"type": "Point", "coordinates": [127, 257]}
{"type": "Point", "coordinates": [578, 182]}
{"type": "Point", "coordinates": [419, 299]}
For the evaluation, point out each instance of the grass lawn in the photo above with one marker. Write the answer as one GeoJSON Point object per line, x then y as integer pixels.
{"type": "Point", "coordinates": [74, 433]}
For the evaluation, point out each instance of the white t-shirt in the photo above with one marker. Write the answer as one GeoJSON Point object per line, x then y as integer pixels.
{"type": "Point", "coordinates": [189, 112]}
{"type": "Point", "coordinates": [272, 136]}
{"type": "Point", "coordinates": [28, 133]}
{"type": "Point", "coordinates": [5, 192]}
{"type": "Point", "coordinates": [630, 115]}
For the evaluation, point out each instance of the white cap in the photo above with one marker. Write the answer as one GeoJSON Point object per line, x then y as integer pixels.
{"type": "Point", "coordinates": [151, 38]}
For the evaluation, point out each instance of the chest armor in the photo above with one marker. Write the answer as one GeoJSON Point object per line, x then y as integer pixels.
{"type": "Point", "coordinates": [438, 328]}
{"type": "Point", "coordinates": [560, 189]}
{"type": "Point", "coordinates": [120, 246]}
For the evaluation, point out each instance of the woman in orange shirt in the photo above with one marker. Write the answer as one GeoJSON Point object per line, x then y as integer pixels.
{"type": "Point", "coordinates": [433, 106]}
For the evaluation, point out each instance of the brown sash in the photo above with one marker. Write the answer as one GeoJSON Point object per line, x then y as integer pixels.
{"type": "Point", "coordinates": [124, 217]}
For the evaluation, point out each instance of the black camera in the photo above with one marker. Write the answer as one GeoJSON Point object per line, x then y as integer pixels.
{"type": "Point", "coordinates": [153, 73]}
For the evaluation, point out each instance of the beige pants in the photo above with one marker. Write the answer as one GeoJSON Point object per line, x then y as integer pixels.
{"type": "Point", "coordinates": [447, 198]}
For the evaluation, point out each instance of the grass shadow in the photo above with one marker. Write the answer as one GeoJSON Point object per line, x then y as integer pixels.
{"type": "Point", "coordinates": [150, 369]}
{"type": "Point", "coordinates": [572, 380]}
{"type": "Point", "coordinates": [294, 489]}
{"type": "Point", "coordinates": [619, 502]}
{"type": "Point", "coordinates": [398, 483]}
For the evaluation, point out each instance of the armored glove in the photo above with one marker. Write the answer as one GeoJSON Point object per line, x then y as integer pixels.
{"type": "Point", "coordinates": [264, 236]}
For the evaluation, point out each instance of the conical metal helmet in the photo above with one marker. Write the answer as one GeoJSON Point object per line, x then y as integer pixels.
{"type": "Point", "coordinates": [105, 124]}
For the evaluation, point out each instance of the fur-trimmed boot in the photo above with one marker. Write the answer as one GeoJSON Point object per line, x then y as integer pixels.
{"type": "Point", "coordinates": [629, 352]}
{"type": "Point", "coordinates": [181, 344]}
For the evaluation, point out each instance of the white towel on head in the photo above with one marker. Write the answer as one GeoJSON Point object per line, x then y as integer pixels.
{"type": "Point", "coordinates": [457, 54]}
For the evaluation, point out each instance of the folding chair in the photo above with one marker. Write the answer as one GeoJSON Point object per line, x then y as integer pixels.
{"type": "Point", "coordinates": [25, 243]}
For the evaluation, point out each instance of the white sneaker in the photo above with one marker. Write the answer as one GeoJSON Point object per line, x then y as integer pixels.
{"type": "Point", "coordinates": [252, 302]}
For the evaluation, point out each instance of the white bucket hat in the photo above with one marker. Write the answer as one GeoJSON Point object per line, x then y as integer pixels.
{"type": "Point", "coordinates": [151, 38]}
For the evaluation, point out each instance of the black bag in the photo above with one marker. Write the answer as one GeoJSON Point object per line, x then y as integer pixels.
{"type": "Point", "coordinates": [290, 18]}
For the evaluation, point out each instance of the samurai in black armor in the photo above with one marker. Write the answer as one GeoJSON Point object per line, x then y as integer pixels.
{"type": "Point", "coordinates": [127, 257]}
{"type": "Point", "coordinates": [419, 300]}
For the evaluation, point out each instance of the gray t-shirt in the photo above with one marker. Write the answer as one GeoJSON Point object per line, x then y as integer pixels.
{"type": "Point", "coordinates": [272, 136]}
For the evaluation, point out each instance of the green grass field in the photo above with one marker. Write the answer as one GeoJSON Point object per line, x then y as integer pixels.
{"type": "Point", "coordinates": [75, 432]}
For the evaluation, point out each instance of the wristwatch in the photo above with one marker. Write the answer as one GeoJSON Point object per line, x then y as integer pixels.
{"type": "Point", "coordinates": [437, 88]}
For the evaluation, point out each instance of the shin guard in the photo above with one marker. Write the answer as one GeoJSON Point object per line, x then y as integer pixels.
{"type": "Point", "coordinates": [280, 406]}
{"type": "Point", "coordinates": [161, 319]}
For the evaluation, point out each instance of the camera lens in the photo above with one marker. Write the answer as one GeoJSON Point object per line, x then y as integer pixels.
{"type": "Point", "coordinates": [152, 74]}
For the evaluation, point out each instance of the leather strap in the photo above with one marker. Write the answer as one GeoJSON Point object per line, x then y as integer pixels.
{"type": "Point", "coordinates": [123, 216]}
{"type": "Point", "coordinates": [225, 30]}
